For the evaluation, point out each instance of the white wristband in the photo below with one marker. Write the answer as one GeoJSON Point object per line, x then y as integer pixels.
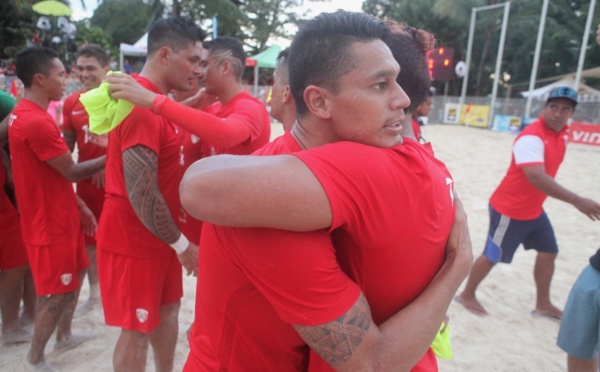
{"type": "Point", "coordinates": [181, 244]}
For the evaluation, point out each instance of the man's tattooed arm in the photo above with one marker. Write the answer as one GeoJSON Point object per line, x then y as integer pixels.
{"type": "Point", "coordinates": [337, 341]}
{"type": "Point", "coordinates": [140, 168]}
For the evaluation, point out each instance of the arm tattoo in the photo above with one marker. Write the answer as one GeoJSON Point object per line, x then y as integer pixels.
{"type": "Point", "coordinates": [337, 340]}
{"type": "Point", "coordinates": [140, 168]}
{"type": "Point", "coordinates": [70, 139]}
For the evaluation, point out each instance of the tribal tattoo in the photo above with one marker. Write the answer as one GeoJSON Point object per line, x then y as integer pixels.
{"type": "Point", "coordinates": [140, 168]}
{"type": "Point", "coordinates": [337, 341]}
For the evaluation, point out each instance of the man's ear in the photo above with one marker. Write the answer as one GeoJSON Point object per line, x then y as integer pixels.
{"type": "Point", "coordinates": [39, 80]}
{"type": "Point", "coordinates": [164, 54]}
{"type": "Point", "coordinates": [287, 94]}
{"type": "Point", "coordinates": [317, 101]}
{"type": "Point", "coordinates": [226, 68]}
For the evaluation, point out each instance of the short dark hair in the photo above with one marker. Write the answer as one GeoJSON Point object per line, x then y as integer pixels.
{"type": "Point", "coordinates": [409, 47]}
{"type": "Point", "coordinates": [321, 51]}
{"type": "Point", "coordinates": [283, 62]}
{"type": "Point", "coordinates": [33, 60]}
{"type": "Point", "coordinates": [175, 32]}
{"type": "Point", "coordinates": [94, 51]}
{"type": "Point", "coordinates": [231, 49]}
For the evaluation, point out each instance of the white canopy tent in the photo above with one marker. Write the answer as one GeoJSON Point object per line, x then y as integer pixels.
{"type": "Point", "coordinates": [139, 49]}
{"type": "Point", "coordinates": [586, 93]}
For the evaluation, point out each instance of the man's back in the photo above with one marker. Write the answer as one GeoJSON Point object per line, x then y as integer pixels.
{"type": "Point", "coordinates": [391, 222]}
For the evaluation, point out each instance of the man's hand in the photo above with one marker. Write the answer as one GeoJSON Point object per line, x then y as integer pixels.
{"type": "Point", "coordinates": [201, 99]}
{"type": "Point", "coordinates": [588, 207]}
{"type": "Point", "coordinates": [89, 225]}
{"type": "Point", "coordinates": [189, 259]}
{"type": "Point", "coordinates": [98, 180]}
{"type": "Point", "coordinates": [122, 86]}
{"type": "Point", "coordinates": [100, 140]}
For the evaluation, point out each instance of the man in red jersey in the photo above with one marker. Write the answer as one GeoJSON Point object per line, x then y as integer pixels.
{"type": "Point", "coordinates": [140, 247]}
{"type": "Point", "coordinates": [237, 124]}
{"type": "Point", "coordinates": [43, 171]}
{"type": "Point", "coordinates": [366, 195]}
{"type": "Point", "coordinates": [13, 257]}
{"type": "Point", "coordinates": [92, 67]}
{"type": "Point", "coordinates": [516, 213]}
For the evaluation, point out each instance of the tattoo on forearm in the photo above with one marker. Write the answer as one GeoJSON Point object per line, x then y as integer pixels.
{"type": "Point", "coordinates": [140, 168]}
{"type": "Point", "coordinates": [70, 139]}
{"type": "Point", "coordinates": [337, 340]}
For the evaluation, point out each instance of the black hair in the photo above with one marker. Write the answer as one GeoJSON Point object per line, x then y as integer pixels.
{"type": "Point", "coordinates": [409, 47]}
{"type": "Point", "coordinates": [321, 51]}
{"type": "Point", "coordinates": [231, 49]}
{"type": "Point", "coordinates": [94, 51]}
{"type": "Point", "coordinates": [33, 60]}
{"type": "Point", "coordinates": [175, 32]}
{"type": "Point", "coordinates": [283, 62]}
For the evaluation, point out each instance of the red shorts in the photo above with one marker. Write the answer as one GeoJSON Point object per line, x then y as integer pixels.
{"type": "Point", "coordinates": [94, 199]}
{"type": "Point", "coordinates": [134, 289]}
{"type": "Point", "coordinates": [12, 249]}
{"type": "Point", "coordinates": [55, 268]}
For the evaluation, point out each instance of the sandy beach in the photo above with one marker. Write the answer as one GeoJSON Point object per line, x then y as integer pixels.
{"type": "Point", "coordinates": [509, 339]}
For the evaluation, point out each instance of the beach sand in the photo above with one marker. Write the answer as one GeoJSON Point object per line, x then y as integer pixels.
{"type": "Point", "coordinates": [509, 339]}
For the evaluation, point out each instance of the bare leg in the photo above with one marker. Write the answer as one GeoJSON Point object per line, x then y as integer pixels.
{"type": "Point", "coordinates": [164, 337]}
{"type": "Point", "coordinates": [49, 313]}
{"type": "Point", "coordinates": [481, 268]}
{"type": "Point", "coordinates": [131, 351]}
{"type": "Point", "coordinates": [65, 339]}
{"type": "Point", "coordinates": [11, 289]}
{"type": "Point", "coordinates": [29, 299]}
{"type": "Point", "coordinates": [581, 365]}
{"type": "Point", "coordinates": [92, 275]}
{"type": "Point", "coordinates": [542, 273]}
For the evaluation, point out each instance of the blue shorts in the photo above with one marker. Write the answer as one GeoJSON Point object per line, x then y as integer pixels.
{"type": "Point", "coordinates": [506, 234]}
{"type": "Point", "coordinates": [579, 330]}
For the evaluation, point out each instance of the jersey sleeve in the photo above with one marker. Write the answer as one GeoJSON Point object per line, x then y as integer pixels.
{"type": "Point", "coordinates": [141, 127]}
{"type": "Point", "coordinates": [528, 150]}
{"type": "Point", "coordinates": [226, 132]}
{"type": "Point", "coordinates": [297, 272]}
{"type": "Point", "coordinates": [46, 140]}
{"type": "Point", "coordinates": [340, 169]}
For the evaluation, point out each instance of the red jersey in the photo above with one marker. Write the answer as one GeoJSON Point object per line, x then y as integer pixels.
{"type": "Point", "coordinates": [47, 203]}
{"type": "Point", "coordinates": [250, 112]}
{"type": "Point", "coordinates": [76, 119]}
{"type": "Point", "coordinates": [390, 237]}
{"type": "Point", "coordinates": [192, 150]}
{"type": "Point", "coordinates": [241, 294]}
{"type": "Point", "coordinates": [120, 229]}
{"type": "Point", "coordinates": [537, 144]}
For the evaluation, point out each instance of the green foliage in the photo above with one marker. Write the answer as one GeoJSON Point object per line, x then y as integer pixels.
{"type": "Point", "coordinates": [94, 35]}
{"type": "Point", "coordinates": [252, 21]}
{"type": "Point", "coordinates": [125, 21]}
{"type": "Point", "coordinates": [17, 25]}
